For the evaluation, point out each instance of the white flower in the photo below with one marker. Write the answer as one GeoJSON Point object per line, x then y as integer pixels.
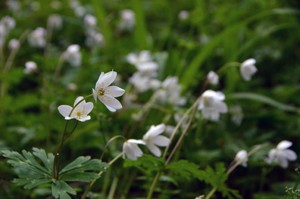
{"type": "Point", "coordinates": [105, 93]}
{"type": "Point", "coordinates": [79, 112]}
{"type": "Point", "coordinates": [30, 67]}
{"type": "Point", "coordinates": [142, 82]}
{"type": "Point", "coordinates": [90, 21]}
{"type": "Point", "coordinates": [211, 104]}
{"type": "Point", "coordinates": [152, 138]}
{"type": "Point", "coordinates": [142, 61]}
{"type": "Point", "coordinates": [281, 154]}
{"type": "Point", "coordinates": [127, 21]}
{"type": "Point", "coordinates": [212, 78]}
{"type": "Point", "coordinates": [14, 44]}
{"type": "Point", "coordinates": [72, 55]}
{"type": "Point", "coordinates": [183, 15]}
{"type": "Point", "coordinates": [170, 92]}
{"type": "Point", "coordinates": [242, 157]}
{"type": "Point", "coordinates": [94, 38]}
{"type": "Point", "coordinates": [248, 69]}
{"type": "Point", "coordinates": [37, 38]}
{"type": "Point", "coordinates": [131, 149]}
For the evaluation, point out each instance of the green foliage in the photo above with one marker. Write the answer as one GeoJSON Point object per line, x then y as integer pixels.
{"type": "Point", "coordinates": [147, 164]}
{"type": "Point", "coordinates": [184, 169]}
{"type": "Point", "coordinates": [36, 168]}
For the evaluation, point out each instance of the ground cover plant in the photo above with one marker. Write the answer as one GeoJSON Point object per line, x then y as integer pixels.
{"type": "Point", "coordinates": [149, 99]}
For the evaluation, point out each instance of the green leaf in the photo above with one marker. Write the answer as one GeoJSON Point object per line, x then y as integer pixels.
{"type": "Point", "coordinates": [147, 163]}
{"type": "Point", "coordinates": [264, 99]}
{"type": "Point", "coordinates": [61, 189]}
{"type": "Point", "coordinates": [83, 169]}
{"type": "Point", "coordinates": [184, 169]}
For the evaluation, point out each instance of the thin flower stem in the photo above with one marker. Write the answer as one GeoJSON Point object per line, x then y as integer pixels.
{"type": "Point", "coordinates": [99, 175]}
{"type": "Point", "coordinates": [228, 65]}
{"type": "Point", "coordinates": [109, 141]}
{"type": "Point", "coordinates": [151, 190]}
{"type": "Point", "coordinates": [65, 136]}
{"type": "Point", "coordinates": [237, 163]}
{"type": "Point", "coordinates": [58, 68]}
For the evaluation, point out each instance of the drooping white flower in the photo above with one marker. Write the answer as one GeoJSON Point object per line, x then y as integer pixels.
{"type": "Point", "coordinates": [30, 67]}
{"type": "Point", "coordinates": [14, 44]}
{"type": "Point", "coordinates": [153, 139]}
{"type": "Point", "coordinates": [127, 21]}
{"type": "Point", "coordinates": [37, 38]}
{"type": "Point", "coordinates": [248, 69]}
{"type": "Point", "coordinates": [106, 93]}
{"type": "Point", "coordinates": [211, 104]}
{"type": "Point", "coordinates": [131, 149]}
{"type": "Point", "coordinates": [72, 55]}
{"type": "Point", "coordinates": [242, 157]}
{"type": "Point", "coordinates": [281, 154]}
{"type": "Point", "coordinates": [79, 112]}
{"type": "Point", "coordinates": [212, 78]}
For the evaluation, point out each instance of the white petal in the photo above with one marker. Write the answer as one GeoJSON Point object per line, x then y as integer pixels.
{"type": "Point", "coordinates": [78, 99]}
{"type": "Point", "coordinates": [221, 107]}
{"type": "Point", "coordinates": [289, 154]}
{"type": "Point", "coordinates": [136, 141]}
{"type": "Point", "coordinates": [106, 79]}
{"type": "Point", "coordinates": [88, 107]}
{"type": "Point", "coordinates": [283, 162]}
{"type": "Point", "coordinates": [128, 152]}
{"type": "Point", "coordinates": [95, 95]}
{"type": "Point", "coordinates": [64, 110]}
{"type": "Point", "coordinates": [248, 62]}
{"type": "Point", "coordinates": [110, 102]}
{"type": "Point", "coordinates": [154, 131]}
{"type": "Point", "coordinates": [114, 91]}
{"type": "Point", "coordinates": [154, 149]}
{"type": "Point", "coordinates": [84, 118]}
{"type": "Point", "coordinates": [161, 140]}
{"type": "Point", "coordinates": [272, 156]}
{"type": "Point", "coordinates": [284, 144]}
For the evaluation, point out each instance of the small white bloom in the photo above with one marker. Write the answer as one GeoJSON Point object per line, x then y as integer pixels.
{"type": "Point", "coordinates": [281, 154]}
{"type": "Point", "coordinates": [14, 44]}
{"type": "Point", "coordinates": [211, 104]}
{"type": "Point", "coordinates": [79, 112]}
{"type": "Point", "coordinates": [248, 69]}
{"type": "Point", "coordinates": [94, 38]}
{"type": "Point", "coordinates": [55, 21]}
{"type": "Point", "coordinates": [212, 78]}
{"type": "Point", "coordinates": [37, 38]}
{"type": "Point", "coordinates": [152, 138]}
{"type": "Point", "coordinates": [106, 93]}
{"type": "Point", "coordinates": [8, 22]}
{"type": "Point", "coordinates": [242, 157]}
{"type": "Point", "coordinates": [183, 15]}
{"type": "Point", "coordinates": [90, 21]}
{"type": "Point", "coordinates": [131, 149]}
{"type": "Point", "coordinates": [127, 21]}
{"type": "Point", "coordinates": [72, 55]}
{"type": "Point", "coordinates": [142, 61]}
{"type": "Point", "coordinates": [30, 67]}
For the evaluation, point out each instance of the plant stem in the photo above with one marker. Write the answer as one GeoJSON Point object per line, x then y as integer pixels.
{"type": "Point", "coordinates": [99, 174]}
{"type": "Point", "coordinates": [151, 190]}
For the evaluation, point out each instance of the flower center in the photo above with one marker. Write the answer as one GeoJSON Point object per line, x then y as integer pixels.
{"type": "Point", "coordinates": [101, 91]}
{"type": "Point", "coordinates": [78, 114]}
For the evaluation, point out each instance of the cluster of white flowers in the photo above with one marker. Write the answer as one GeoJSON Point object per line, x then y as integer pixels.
{"type": "Point", "coordinates": [7, 23]}
{"type": "Point", "coordinates": [37, 38]}
{"type": "Point", "coordinates": [127, 20]}
{"type": "Point", "coordinates": [93, 36]}
{"type": "Point", "coordinates": [79, 10]}
{"type": "Point", "coordinates": [152, 139]}
{"type": "Point", "coordinates": [72, 55]}
{"type": "Point", "coordinates": [103, 91]}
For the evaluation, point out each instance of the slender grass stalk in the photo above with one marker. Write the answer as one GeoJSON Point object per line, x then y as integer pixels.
{"type": "Point", "coordinates": [113, 188]}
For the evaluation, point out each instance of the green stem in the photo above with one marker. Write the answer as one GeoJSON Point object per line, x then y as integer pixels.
{"type": "Point", "coordinates": [65, 136]}
{"type": "Point", "coordinates": [151, 190]}
{"type": "Point", "coordinates": [99, 174]}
